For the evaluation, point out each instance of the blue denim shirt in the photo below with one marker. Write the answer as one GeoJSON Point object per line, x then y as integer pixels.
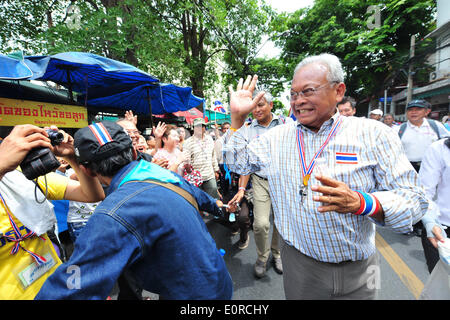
{"type": "Point", "coordinates": [152, 233]}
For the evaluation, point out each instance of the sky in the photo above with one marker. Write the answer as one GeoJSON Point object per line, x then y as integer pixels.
{"type": "Point", "coordinates": [268, 49]}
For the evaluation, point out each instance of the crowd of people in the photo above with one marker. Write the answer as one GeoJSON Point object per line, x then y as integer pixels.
{"type": "Point", "coordinates": [139, 205]}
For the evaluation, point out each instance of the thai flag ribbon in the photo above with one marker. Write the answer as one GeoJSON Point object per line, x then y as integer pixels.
{"type": "Point", "coordinates": [346, 158]}
{"type": "Point", "coordinates": [18, 237]}
{"type": "Point", "coordinates": [307, 170]}
{"type": "Point", "coordinates": [101, 134]}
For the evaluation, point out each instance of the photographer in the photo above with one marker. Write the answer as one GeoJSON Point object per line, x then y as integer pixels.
{"type": "Point", "coordinates": [27, 255]}
{"type": "Point", "coordinates": [148, 228]}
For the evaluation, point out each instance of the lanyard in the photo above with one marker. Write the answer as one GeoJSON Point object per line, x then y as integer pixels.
{"type": "Point", "coordinates": [18, 237]}
{"type": "Point", "coordinates": [307, 170]}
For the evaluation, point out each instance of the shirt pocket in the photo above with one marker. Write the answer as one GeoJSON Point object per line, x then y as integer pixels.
{"type": "Point", "coordinates": [352, 167]}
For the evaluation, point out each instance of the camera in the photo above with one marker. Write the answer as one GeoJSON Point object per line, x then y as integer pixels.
{"type": "Point", "coordinates": [40, 161]}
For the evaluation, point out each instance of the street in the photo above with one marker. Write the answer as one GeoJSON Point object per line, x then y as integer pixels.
{"type": "Point", "coordinates": [403, 269]}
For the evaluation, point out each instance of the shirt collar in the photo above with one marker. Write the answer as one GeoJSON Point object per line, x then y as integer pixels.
{"type": "Point", "coordinates": [199, 139]}
{"type": "Point", "coordinates": [256, 124]}
{"type": "Point", "coordinates": [424, 124]}
{"type": "Point", "coordinates": [327, 124]}
{"type": "Point", "coordinates": [119, 176]}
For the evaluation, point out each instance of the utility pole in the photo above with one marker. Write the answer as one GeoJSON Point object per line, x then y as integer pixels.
{"type": "Point", "coordinates": [410, 70]}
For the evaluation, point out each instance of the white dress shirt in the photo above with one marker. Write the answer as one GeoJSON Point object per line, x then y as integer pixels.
{"type": "Point", "coordinates": [416, 140]}
{"type": "Point", "coordinates": [435, 177]}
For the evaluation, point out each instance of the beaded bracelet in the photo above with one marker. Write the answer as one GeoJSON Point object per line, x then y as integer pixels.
{"type": "Point", "coordinates": [369, 204]}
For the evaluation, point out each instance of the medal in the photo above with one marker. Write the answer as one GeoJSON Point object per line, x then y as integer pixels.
{"type": "Point", "coordinates": [307, 170]}
{"type": "Point", "coordinates": [304, 187]}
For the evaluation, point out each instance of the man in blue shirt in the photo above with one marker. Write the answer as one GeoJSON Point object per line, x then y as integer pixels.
{"type": "Point", "coordinates": [150, 232]}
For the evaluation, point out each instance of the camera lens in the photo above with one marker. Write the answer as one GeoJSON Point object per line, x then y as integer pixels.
{"type": "Point", "coordinates": [38, 162]}
{"type": "Point", "coordinates": [55, 137]}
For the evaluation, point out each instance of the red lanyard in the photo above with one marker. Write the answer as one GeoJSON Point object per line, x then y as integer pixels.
{"type": "Point", "coordinates": [307, 170]}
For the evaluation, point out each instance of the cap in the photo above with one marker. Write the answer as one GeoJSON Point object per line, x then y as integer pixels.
{"type": "Point", "coordinates": [199, 121]}
{"type": "Point", "coordinates": [377, 112]}
{"type": "Point", "coordinates": [100, 141]}
{"type": "Point", "coordinates": [419, 104]}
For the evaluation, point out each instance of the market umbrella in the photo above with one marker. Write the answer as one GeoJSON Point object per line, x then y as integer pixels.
{"type": "Point", "coordinates": [164, 98]}
{"type": "Point", "coordinates": [190, 115]}
{"type": "Point", "coordinates": [83, 72]}
{"type": "Point", "coordinates": [103, 82]}
{"type": "Point", "coordinates": [13, 67]}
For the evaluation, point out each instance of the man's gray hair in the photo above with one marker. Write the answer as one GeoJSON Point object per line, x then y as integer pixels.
{"type": "Point", "coordinates": [330, 61]}
{"type": "Point", "coordinates": [267, 95]}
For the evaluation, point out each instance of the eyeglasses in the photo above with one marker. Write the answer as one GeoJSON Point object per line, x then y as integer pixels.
{"type": "Point", "coordinates": [308, 92]}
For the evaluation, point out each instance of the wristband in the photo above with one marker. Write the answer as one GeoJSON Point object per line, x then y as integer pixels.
{"type": "Point", "coordinates": [233, 129]}
{"type": "Point", "coordinates": [369, 204]}
{"type": "Point", "coordinates": [241, 188]}
{"type": "Point", "coordinates": [362, 206]}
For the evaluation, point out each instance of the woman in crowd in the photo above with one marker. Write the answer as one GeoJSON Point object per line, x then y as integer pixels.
{"type": "Point", "coordinates": [170, 151]}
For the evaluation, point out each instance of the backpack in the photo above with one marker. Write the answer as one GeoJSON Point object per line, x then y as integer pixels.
{"type": "Point", "coordinates": [433, 125]}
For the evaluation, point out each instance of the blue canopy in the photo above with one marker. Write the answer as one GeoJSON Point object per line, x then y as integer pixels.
{"type": "Point", "coordinates": [164, 98]}
{"type": "Point", "coordinates": [13, 68]}
{"type": "Point", "coordinates": [85, 71]}
{"type": "Point", "coordinates": [105, 82]}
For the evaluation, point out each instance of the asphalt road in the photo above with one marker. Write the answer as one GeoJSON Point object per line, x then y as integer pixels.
{"type": "Point", "coordinates": [403, 271]}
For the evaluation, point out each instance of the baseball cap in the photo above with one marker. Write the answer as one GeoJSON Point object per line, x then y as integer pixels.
{"type": "Point", "coordinates": [377, 112]}
{"type": "Point", "coordinates": [199, 121]}
{"type": "Point", "coordinates": [100, 141]}
{"type": "Point", "coordinates": [418, 103]}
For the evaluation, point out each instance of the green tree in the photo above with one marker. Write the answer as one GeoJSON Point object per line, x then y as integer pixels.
{"type": "Point", "coordinates": [369, 56]}
{"type": "Point", "coordinates": [173, 40]}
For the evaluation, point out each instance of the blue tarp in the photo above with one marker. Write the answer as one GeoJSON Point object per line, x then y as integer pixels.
{"type": "Point", "coordinates": [86, 71]}
{"type": "Point", "coordinates": [165, 98]}
{"type": "Point", "coordinates": [107, 83]}
{"type": "Point", "coordinates": [13, 69]}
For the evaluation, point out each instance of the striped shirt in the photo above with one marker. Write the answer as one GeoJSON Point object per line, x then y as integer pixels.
{"type": "Point", "coordinates": [254, 130]}
{"type": "Point", "coordinates": [380, 168]}
{"type": "Point", "coordinates": [202, 156]}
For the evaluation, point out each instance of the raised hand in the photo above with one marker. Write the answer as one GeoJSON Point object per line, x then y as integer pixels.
{"type": "Point", "coordinates": [130, 117]}
{"type": "Point", "coordinates": [242, 101]}
{"type": "Point", "coordinates": [158, 132]}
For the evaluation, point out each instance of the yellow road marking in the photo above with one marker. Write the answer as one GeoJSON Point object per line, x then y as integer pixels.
{"type": "Point", "coordinates": [409, 279]}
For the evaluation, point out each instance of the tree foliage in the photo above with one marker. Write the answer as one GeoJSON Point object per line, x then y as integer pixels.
{"type": "Point", "coordinates": [184, 42]}
{"type": "Point", "coordinates": [369, 56]}
{"type": "Point", "coordinates": [175, 40]}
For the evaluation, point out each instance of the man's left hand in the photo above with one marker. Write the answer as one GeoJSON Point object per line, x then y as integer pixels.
{"type": "Point", "coordinates": [336, 196]}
